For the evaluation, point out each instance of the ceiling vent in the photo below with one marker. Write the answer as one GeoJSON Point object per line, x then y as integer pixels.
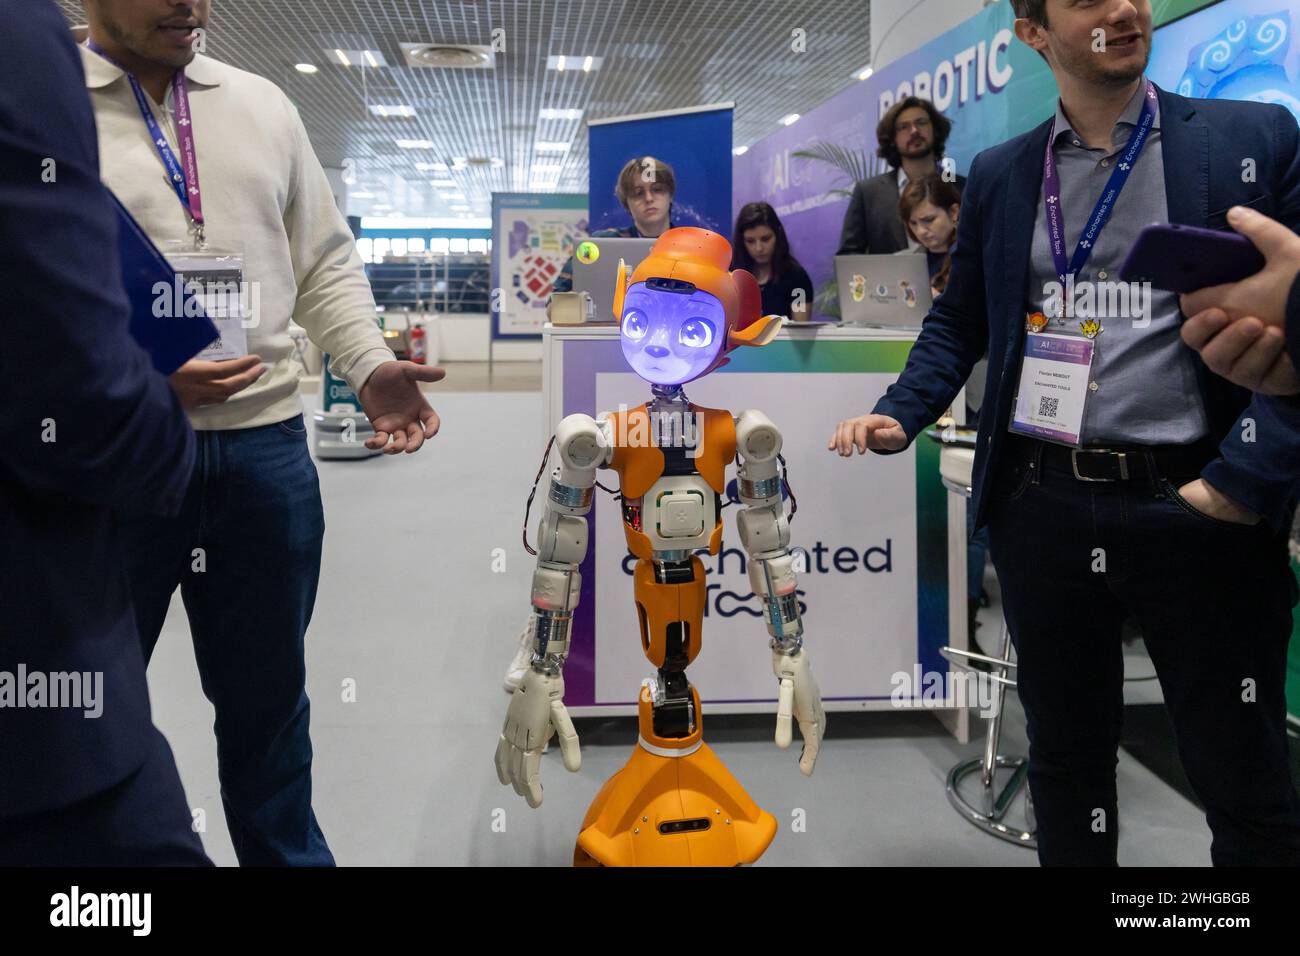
{"type": "Point", "coordinates": [448, 56]}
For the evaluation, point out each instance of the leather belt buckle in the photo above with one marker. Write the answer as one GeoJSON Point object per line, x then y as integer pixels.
{"type": "Point", "coordinates": [1121, 457]}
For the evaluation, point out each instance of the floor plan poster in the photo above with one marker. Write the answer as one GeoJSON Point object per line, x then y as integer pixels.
{"type": "Point", "coordinates": [532, 238]}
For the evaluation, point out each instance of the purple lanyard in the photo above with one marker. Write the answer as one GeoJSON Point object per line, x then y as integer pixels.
{"type": "Point", "coordinates": [1101, 213]}
{"type": "Point", "coordinates": [184, 181]}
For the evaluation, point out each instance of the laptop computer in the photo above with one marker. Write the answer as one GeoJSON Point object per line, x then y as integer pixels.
{"type": "Point", "coordinates": [595, 267]}
{"type": "Point", "coordinates": [884, 291]}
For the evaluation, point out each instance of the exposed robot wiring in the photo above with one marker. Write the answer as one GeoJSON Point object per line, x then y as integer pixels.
{"type": "Point", "coordinates": [794, 505]}
{"type": "Point", "coordinates": [529, 507]}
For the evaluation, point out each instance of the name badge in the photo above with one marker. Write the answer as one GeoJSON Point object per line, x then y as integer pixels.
{"type": "Point", "coordinates": [212, 278]}
{"type": "Point", "coordinates": [1053, 390]}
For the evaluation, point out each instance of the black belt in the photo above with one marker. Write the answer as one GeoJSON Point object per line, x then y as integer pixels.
{"type": "Point", "coordinates": [1145, 463]}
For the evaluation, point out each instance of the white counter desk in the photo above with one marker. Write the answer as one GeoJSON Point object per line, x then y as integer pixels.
{"type": "Point", "coordinates": [884, 583]}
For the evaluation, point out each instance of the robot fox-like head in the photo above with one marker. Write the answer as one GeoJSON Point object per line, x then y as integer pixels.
{"type": "Point", "coordinates": [680, 312]}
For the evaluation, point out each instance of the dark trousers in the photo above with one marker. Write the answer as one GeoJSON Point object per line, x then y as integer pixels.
{"type": "Point", "coordinates": [1213, 601]}
{"type": "Point", "coordinates": [253, 511]}
{"type": "Point", "coordinates": [141, 821]}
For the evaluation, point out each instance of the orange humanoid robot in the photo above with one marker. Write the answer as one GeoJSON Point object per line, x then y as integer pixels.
{"type": "Point", "coordinates": [673, 803]}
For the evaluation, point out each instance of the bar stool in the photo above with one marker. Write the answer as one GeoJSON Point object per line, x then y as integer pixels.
{"type": "Point", "coordinates": [991, 803]}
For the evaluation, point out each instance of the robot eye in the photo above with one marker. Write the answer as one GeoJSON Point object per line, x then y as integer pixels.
{"type": "Point", "coordinates": [696, 333]}
{"type": "Point", "coordinates": [635, 325]}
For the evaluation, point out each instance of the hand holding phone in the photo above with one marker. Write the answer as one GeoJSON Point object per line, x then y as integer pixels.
{"type": "Point", "coordinates": [1185, 258]}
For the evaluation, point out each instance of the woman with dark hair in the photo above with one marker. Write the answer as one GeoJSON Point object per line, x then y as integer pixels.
{"type": "Point", "coordinates": [929, 208]}
{"type": "Point", "coordinates": [759, 246]}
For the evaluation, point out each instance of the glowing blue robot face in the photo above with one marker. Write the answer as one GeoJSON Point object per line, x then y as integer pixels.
{"type": "Point", "coordinates": [671, 337]}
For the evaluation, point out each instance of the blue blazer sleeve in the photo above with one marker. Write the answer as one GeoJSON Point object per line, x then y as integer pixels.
{"type": "Point", "coordinates": [86, 418]}
{"type": "Point", "coordinates": [1260, 463]}
{"type": "Point", "coordinates": [954, 335]}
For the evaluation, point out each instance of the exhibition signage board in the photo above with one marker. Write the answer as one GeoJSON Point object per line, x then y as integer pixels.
{"type": "Point", "coordinates": [532, 237]}
{"type": "Point", "coordinates": [873, 532]}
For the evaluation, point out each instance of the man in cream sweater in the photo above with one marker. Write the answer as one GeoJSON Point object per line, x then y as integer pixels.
{"type": "Point", "coordinates": [200, 151]}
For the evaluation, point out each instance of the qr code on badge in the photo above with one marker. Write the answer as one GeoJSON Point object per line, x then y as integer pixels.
{"type": "Point", "coordinates": [1047, 406]}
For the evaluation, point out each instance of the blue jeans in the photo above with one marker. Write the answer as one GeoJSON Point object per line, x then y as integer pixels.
{"type": "Point", "coordinates": [1213, 600]}
{"type": "Point", "coordinates": [253, 506]}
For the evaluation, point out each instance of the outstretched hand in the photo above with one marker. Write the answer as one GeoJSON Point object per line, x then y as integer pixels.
{"type": "Point", "coordinates": [397, 409]}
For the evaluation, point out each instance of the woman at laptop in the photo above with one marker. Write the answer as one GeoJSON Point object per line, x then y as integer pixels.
{"type": "Point", "coordinates": [929, 208]}
{"type": "Point", "coordinates": [760, 247]}
{"type": "Point", "coordinates": [648, 198]}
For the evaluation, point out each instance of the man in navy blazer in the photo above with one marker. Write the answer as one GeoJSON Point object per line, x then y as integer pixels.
{"type": "Point", "coordinates": [89, 430]}
{"type": "Point", "coordinates": [1174, 505]}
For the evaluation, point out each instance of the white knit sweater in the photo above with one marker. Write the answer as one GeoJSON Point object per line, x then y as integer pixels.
{"type": "Point", "coordinates": [263, 187]}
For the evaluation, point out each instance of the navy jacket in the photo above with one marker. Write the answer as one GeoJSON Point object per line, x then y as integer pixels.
{"type": "Point", "coordinates": [1205, 143]}
{"type": "Point", "coordinates": [69, 371]}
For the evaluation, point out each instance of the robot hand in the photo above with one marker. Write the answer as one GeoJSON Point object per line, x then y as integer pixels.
{"type": "Point", "coordinates": [799, 697]}
{"type": "Point", "coordinates": [536, 713]}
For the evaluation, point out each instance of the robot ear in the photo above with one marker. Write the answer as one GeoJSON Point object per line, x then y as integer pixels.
{"type": "Point", "coordinates": [620, 289]}
{"type": "Point", "coordinates": [751, 297]}
{"type": "Point", "coordinates": [756, 333]}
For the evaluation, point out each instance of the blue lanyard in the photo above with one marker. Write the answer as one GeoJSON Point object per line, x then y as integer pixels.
{"type": "Point", "coordinates": [1101, 212]}
{"type": "Point", "coordinates": [186, 187]}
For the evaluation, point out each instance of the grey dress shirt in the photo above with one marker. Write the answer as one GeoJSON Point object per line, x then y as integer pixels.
{"type": "Point", "coordinates": [1143, 383]}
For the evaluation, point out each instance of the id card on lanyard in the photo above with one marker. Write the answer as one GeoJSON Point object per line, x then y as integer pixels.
{"type": "Point", "coordinates": [213, 278]}
{"type": "Point", "coordinates": [1055, 367]}
{"type": "Point", "coordinates": [211, 275]}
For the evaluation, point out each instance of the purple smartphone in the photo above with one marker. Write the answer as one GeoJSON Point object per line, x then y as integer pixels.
{"type": "Point", "coordinates": [1186, 258]}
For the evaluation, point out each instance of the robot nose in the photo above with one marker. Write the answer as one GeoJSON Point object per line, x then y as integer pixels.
{"type": "Point", "coordinates": [658, 351]}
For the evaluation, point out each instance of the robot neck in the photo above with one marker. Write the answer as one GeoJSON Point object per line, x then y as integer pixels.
{"type": "Point", "coordinates": [667, 398]}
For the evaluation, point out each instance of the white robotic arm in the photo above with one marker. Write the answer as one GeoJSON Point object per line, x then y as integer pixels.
{"type": "Point", "coordinates": [765, 533]}
{"type": "Point", "coordinates": [536, 710]}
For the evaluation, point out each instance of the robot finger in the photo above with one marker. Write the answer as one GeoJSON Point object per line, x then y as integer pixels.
{"type": "Point", "coordinates": [568, 736]}
{"type": "Point", "coordinates": [517, 771]}
{"type": "Point", "coordinates": [503, 760]}
{"type": "Point", "coordinates": [532, 764]}
{"type": "Point", "coordinates": [784, 708]}
{"type": "Point", "coordinates": [811, 745]}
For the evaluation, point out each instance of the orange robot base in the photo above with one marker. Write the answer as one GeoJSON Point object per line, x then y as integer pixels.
{"type": "Point", "coordinates": [674, 803]}
{"type": "Point", "coordinates": [683, 810]}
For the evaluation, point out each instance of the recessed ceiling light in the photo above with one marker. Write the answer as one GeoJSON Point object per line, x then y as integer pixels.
{"type": "Point", "coordinates": [442, 182]}
{"type": "Point", "coordinates": [863, 74]}
{"type": "Point", "coordinates": [432, 167]}
{"type": "Point", "coordinates": [305, 67]}
{"type": "Point", "coordinates": [381, 109]}
{"type": "Point", "coordinates": [359, 57]}
{"type": "Point", "coordinates": [790, 120]}
{"type": "Point", "coordinates": [740, 151]}
{"type": "Point", "coordinates": [562, 62]}
{"type": "Point", "coordinates": [551, 147]}
{"type": "Point", "coordinates": [415, 143]}
{"type": "Point", "coordinates": [555, 114]}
